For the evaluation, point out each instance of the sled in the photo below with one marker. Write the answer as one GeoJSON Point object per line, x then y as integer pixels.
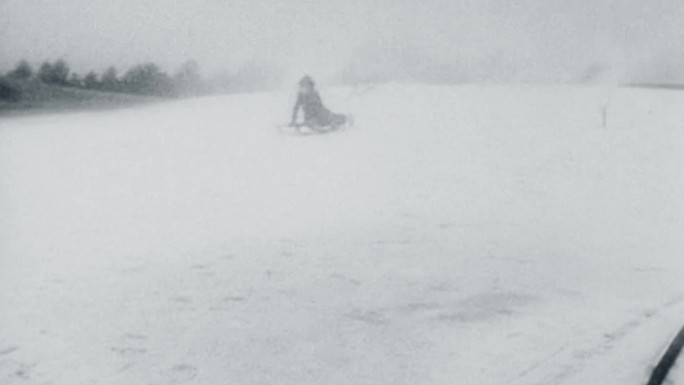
{"type": "Point", "coordinates": [305, 128]}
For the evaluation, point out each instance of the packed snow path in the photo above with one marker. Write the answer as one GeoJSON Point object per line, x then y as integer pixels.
{"type": "Point", "coordinates": [455, 235]}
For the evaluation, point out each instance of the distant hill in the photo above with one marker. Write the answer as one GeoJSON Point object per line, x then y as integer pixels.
{"type": "Point", "coordinates": [657, 85]}
{"type": "Point", "coordinates": [33, 95]}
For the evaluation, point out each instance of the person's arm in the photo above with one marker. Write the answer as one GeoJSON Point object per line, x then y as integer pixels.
{"type": "Point", "coordinates": [296, 109]}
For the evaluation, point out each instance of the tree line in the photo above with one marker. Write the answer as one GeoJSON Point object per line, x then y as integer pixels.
{"type": "Point", "coordinates": [142, 79]}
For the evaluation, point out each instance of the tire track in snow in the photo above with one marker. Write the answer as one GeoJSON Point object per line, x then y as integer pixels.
{"type": "Point", "coordinates": [580, 356]}
{"type": "Point", "coordinates": [668, 360]}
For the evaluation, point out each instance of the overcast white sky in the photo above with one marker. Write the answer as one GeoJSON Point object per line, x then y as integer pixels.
{"type": "Point", "coordinates": [538, 37]}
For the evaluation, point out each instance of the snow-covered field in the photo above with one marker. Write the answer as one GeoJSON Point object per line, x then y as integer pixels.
{"type": "Point", "coordinates": [455, 235]}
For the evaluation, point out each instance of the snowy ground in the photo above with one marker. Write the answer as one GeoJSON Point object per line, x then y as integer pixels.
{"type": "Point", "coordinates": [455, 235]}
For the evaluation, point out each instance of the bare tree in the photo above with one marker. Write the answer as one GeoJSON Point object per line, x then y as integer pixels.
{"type": "Point", "coordinates": [188, 80]}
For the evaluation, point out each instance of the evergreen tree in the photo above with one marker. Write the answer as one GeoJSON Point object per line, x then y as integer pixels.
{"type": "Point", "coordinates": [90, 81]}
{"type": "Point", "coordinates": [60, 72]}
{"type": "Point", "coordinates": [75, 80]}
{"type": "Point", "coordinates": [57, 73]}
{"type": "Point", "coordinates": [147, 79]}
{"type": "Point", "coordinates": [23, 70]}
{"type": "Point", "coordinates": [110, 80]}
{"type": "Point", "coordinates": [45, 72]}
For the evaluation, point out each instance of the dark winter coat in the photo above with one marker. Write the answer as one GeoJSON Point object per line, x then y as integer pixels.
{"type": "Point", "coordinates": [314, 111]}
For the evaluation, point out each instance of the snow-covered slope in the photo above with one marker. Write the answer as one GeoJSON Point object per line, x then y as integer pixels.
{"type": "Point", "coordinates": [479, 235]}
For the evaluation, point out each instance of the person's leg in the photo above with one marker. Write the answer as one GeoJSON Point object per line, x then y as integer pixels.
{"type": "Point", "coordinates": [317, 126]}
{"type": "Point", "coordinates": [313, 124]}
{"type": "Point", "coordinates": [325, 122]}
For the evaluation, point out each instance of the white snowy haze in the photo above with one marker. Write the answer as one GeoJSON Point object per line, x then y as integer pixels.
{"type": "Point", "coordinates": [489, 233]}
{"type": "Point", "coordinates": [427, 40]}
{"type": "Point", "coordinates": [518, 235]}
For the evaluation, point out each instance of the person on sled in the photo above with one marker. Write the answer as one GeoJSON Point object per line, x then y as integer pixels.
{"type": "Point", "coordinates": [316, 116]}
